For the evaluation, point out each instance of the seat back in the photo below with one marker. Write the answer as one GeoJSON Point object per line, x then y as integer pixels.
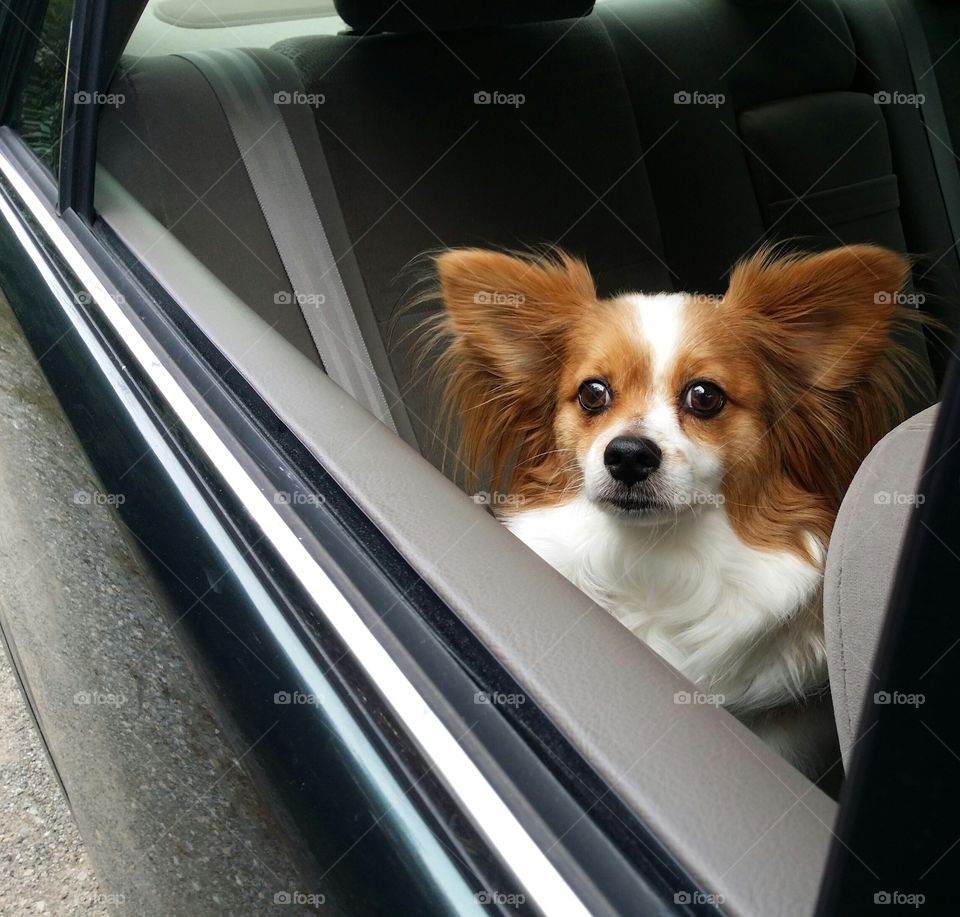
{"type": "Point", "coordinates": [503, 137]}
{"type": "Point", "coordinates": [660, 141]}
{"type": "Point", "coordinates": [862, 563]}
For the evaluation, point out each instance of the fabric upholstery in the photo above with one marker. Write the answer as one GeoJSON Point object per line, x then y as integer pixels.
{"type": "Point", "coordinates": [844, 175]}
{"type": "Point", "coordinates": [150, 145]}
{"type": "Point", "coordinates": [489, 174]}
{"type": "Point", "coordinates": [862, 562]}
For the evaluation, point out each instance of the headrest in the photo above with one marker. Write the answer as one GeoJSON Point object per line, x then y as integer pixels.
{"type": "Point", "coordinates": [439, 15]}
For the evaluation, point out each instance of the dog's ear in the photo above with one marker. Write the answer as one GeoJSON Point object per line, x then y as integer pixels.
{"type": "Point", "coordinates": [505, 326]}
{"type": "Point", "coordinates": [827, 316]}
{"type": "Point", "coordinates": [823, 327]}
{"type": "Point", "coordinates": [510, 314]}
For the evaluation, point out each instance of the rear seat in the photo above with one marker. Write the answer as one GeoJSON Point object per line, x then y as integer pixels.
{"type": "Point", "coordinates": [797, 149]}
{"type": "Point", "coordinates": [795, 144]}
{"type": "Point", "coordinates": [586, 142]}
{"type": "Point", "coordinates": [418, 163]}
{"type": "Point", "coordinates": [659, 140]}
{"type": "Point", "coordinates": [171, 147]}
{"type": "Point", "coordinates": [504, 149]}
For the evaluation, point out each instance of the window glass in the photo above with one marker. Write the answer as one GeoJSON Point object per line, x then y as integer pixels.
{"type": "Point", "coordinates": [173, 26]}
{"type": "Point", "coordinates": [41, 110]}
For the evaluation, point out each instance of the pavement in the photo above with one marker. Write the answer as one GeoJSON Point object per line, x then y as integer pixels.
{"type": "Point", "coordinates": [172, 819]}
{"type": "Point", "coordinates": [43, 867]}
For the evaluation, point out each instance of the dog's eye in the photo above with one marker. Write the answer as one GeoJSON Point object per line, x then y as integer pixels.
{"type": "Point", "coordinates": [594, 396]}
{"type": "Point", "coordinates": [704, 399]}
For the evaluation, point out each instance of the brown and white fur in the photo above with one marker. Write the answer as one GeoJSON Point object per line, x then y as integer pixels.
{"type": "Point", "coordinates": [710, 545]}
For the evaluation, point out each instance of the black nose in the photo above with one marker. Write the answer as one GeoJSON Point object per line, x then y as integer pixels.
{"type": "Point", "coordinates": [630, 459]}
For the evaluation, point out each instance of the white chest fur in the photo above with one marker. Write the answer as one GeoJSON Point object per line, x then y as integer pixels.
{"type": "Point", "coordinates": [734, 619]}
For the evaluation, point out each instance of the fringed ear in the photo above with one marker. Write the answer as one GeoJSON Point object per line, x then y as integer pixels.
{"type": "Point", "coordinates": [825, 329]}
{"type": "Point", "coordinates": [830, 313]}
{"type": "Point", "coordinates": [511, 313]}
{"type": "Point", "coordinates": [504, 327]}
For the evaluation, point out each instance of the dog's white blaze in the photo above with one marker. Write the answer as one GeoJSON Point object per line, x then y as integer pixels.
{"type": "Point", "coordinates": [661, 325]}
{"type": "Point", "coordinates": [689, 469]}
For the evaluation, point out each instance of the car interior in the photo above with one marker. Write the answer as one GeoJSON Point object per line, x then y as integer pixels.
{"type": "Point", "coordinates": [660, 140]}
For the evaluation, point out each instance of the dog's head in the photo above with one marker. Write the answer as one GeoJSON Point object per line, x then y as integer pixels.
{"type": "Point", "coordinates": [654, 405]}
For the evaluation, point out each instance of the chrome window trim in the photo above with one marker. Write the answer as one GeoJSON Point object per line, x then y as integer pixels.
{"type": "Point", "coordinates": [391, 793]}
{"type": "Point", "coordinates": [488, 811]}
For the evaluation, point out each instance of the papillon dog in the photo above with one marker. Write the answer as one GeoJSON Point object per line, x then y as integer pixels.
{"type": "Point", "coordinates": [681, 458]}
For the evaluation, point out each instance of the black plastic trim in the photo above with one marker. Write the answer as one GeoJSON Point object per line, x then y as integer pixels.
{"type": "Point", "coordinates": [85, 80]}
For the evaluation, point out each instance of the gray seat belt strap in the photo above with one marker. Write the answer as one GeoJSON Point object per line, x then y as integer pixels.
{"type": "Point", "coordinates": [283, 193]}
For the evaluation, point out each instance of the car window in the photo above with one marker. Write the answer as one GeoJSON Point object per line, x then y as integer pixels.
{"type": "Point", "coordinates": [174, 26]}
{"type": "Point", "coordinates": [41, 109]}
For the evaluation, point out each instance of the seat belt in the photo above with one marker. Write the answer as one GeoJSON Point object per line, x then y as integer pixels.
{"type": "Point", "coordinates": [288, 207]}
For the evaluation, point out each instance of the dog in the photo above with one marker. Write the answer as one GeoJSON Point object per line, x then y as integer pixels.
{"type": "Point", "coordinates": [681, 458]}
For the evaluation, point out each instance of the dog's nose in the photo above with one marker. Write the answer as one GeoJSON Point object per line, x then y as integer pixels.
{"type": "Point", "coordinates": [630, 459]}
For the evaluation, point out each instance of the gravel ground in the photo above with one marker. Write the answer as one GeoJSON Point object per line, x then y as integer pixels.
{"type": "Point", "coordinates": [43, 867]}
{"type": "Point", "coordinates": [170, 816]}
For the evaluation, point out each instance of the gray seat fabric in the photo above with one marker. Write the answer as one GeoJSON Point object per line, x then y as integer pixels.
{"type": "Point", "coordinates": [421, 164]}
{"type": "Point", "coordinates": [171, 147]}
{"type": "Point", "coordinates": [598, 156]}
{"type": "Point", "coordinates": [862, 563]}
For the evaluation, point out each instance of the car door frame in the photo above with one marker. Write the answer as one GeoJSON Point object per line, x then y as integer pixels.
{"type": "Point", "coordinates": [161, 359]}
